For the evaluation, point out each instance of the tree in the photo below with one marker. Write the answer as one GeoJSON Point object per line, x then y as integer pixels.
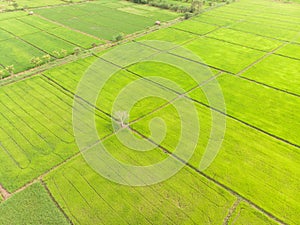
{"type": "Point", "coordinates": [47, 58]}
{"type": "Point", "coordinates": [15, 5]}
{"type": "Point", "coordinates": [77, 50]}
{"type": "Point", "coordinates": [10, 69]}
{"type": "Point", "coordinates": [56, 54]}
{"type": "Point", "coordinates": [1, 74]}
{"type": "Point", "coordinates": [64, 52]}
{"type": "Point", "coordinates": [121, 117]}
{"type": "Point", "coordinates": [36, 61]}
{"type": "Point", "coordinates": [196, 6]}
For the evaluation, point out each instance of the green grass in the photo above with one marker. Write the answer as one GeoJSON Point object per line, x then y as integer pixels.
{"type": "Point", "coordinates": [4, 35]}
{"type": "Point", "coordinates": [31, 206]}
{"type": "Point", "coordinates": [277, 71]}
{"type": "Point", "coordinates": [29, 146]}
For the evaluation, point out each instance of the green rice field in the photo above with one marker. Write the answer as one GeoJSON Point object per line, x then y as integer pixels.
{"type": "Point", "coordinates": [234, 68]}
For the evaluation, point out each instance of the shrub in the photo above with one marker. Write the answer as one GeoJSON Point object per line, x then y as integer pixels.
{"type": "Point", "coordinates": [118, 37]}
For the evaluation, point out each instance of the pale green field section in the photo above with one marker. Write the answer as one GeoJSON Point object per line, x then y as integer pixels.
{"type": "Point", "coordinates": [277, 71]}
{"type": "Point", "coordinates": [185, 198]}
{"type": "Point", "coordinates": [36, 130]}
{"type": "Point", "coordinates": [249, 162]}
{"type": "Point", "coordinates": [259, 106]}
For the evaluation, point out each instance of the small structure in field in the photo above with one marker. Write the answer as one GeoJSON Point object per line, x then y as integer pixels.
{"type": "Point", "coordinates": [157, 22]}
{"type": "Point", "coordinates": [30, 13]}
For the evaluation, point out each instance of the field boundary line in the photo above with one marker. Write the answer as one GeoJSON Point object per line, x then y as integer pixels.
{"type": "Point", "coordinates": [54, 201]}
{"type": "Point", "coordinates": [228, 115]}
{"type": "Point", "coordinates": [246, 123]}
{"type": "Point", "coordinates": [224, 71]}
{"type": "Point", "coordinates": [260, 59]}
{"type": "Point", "coordinates": [46, 31]}
{"type": "Point", "coordinates": [231, 211]}
{"type": "Point", "coordinates": [70, 28]}
{"type": "Point", "coordinates": [218, 183]}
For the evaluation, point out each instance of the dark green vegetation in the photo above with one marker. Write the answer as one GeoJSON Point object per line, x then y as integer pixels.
{"type": "Point", "coordinates": [250, 48]}
{"type": "Point", "coordinates": [31, 206]}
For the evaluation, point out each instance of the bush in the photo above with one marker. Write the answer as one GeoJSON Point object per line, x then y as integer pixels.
{"type": "Point", "coordinates": [187, 15]}
{"type": "Point", "coordinates": [118, 37]}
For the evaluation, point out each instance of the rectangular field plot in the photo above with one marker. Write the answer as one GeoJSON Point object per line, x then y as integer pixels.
{"type": "Point", "coordinates": [195, 27]}
{"type": "Point", "coordinates": [266, 30]}
{"type": "Point", "coordinates": [166, 35]}
{"type": "Point", "coordinates": [214, 20]}
{"type": "Point", "coordinates": [246, 39]}
{"type": "Point", "coordinates": [36, 130]}
{"type": "Point", "coordinates": [38, 22]}
{"type": "Point", "coordinates": [259, 106]}
{"type": "Point", "coordinates": [249, 162]}
{"type": "Point", "coordinates": [290, 50]}
{"type": "Point", "coordinates": [50, 43]}
{"type": "Point", "coordinates": [185, 198]}
{"type": "Point", "coordinates": [75, 37]}
{"type": "Point", "coordinates": [17, 27]}
{"type": "Point", "coordinates": [31, 206]}
{"type": "Point", "coordinates": [4, 35]}
{"type": "Point", "coordinates": [222, 55]}
{"type": "Point", "coordinates": [104, 21]}
{"type": "Point", "coordinates": [18, 53]}
{"type": "Point", "coordinates": [277, 71]}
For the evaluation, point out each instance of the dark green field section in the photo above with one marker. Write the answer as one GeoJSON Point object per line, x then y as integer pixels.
{"type": "Point", "coordinates": [31, 206]}
{"type": "Point", "coordinates": [106, 19]}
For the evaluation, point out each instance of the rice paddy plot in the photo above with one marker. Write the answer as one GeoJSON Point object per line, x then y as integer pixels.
{"type": "Point", "coordinates": [266, 30]}
{"type": "Point", "coordinates": [245, 213]}
{"type": "Point", "coordinates": [290, 50]}
{"type": "Point", "coordinates": [222, 55]}
{"type": "Point", "coordinates": [75, 37]}
{"type": "Point", "coordinates": [17, 28]}
{"type": "Point", "coordinates": [104, 21]}
{"type": "Point", "coordinates": [195, 27]}
{"type": "Point", "coordinates": [19, 54]}
{"type": "Point", "coordinates": [31, 206]}
{"type": "Point", "coordinates": [36, 130]}
{"type": "Point", "coordinates": [262, 107]}
{"type": "Point", "coordinates": [276, 71]}
{"type": "Point", "coordinates": [82, 193]}
{"type": "Point", "coordinates": [243, 163]}
{"type": "Point", "coordinates": [50, 44]}
{"type": "Point", "coordinates": [247, 39]}
{"type": "Point", "coordinates": [167, 35]}
{"type": "Point", "coordinates": [214, 20]}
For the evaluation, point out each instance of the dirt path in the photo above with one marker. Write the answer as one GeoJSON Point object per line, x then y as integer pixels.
{"type": "Point", "coordinates": [4, 193]}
